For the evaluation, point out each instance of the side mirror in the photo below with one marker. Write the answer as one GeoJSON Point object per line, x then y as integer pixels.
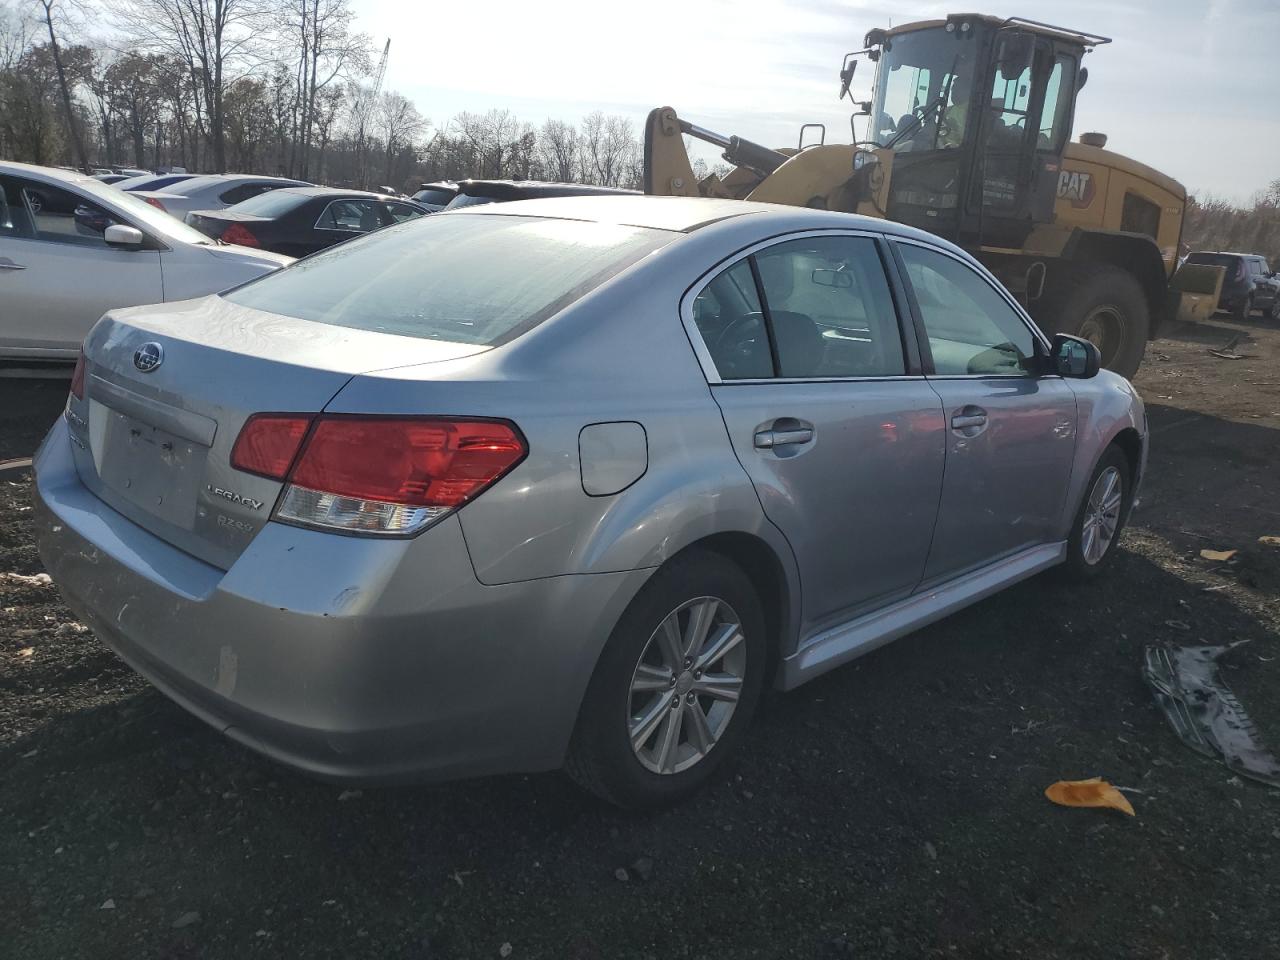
{"type": "Point", "coordinates": [1074, 357]}
{"type": "Point", "coordinates": [126, 238]}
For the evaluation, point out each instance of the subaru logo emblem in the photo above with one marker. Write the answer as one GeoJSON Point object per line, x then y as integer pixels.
{"type": "Point", "coordinates": [148, 356]}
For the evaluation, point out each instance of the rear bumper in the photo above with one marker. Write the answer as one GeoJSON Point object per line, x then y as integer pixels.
{"type": "Point", "coordinates": [346, 658]}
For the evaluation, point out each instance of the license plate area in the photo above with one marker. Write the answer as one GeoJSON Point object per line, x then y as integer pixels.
{"type": "Point", "coordinates": [155, 470]}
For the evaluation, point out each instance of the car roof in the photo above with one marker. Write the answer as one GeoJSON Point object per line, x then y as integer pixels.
{"type": "Point", "coordinates": [50, 174]}
{"type": "Point", "coordinates": [528, 189]}
{"type": "Point", "coordinates": [688, 214]}
{"type": "Point", "coordinates": [337, 192]}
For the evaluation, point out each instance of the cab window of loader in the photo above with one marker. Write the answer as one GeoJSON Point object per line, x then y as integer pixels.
{"type": "Point", "coordinates": [1055, 117]}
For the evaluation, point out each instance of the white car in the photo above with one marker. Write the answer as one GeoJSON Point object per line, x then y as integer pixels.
{"type": "Point", "coordinates": [72, 248]}
{"type": "Point", "coordinates": [212, 193]}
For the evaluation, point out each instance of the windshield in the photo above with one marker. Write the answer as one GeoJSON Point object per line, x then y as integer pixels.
{"type": "Point", "coordinates": [273, 203]}
{"type": "Point", "coordinates": [923, 89]}
{"type": "Point", "coordinates": [477, 278]}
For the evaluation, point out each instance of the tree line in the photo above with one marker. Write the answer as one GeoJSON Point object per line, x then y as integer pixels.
{"type": "Point", "coordinates": [282, 87]}
{"type": "Point", "coordinates": [1216, 224]}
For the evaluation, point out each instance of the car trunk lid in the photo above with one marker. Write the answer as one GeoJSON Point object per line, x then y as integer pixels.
{"type": "Point", "coordinates": [168, 388]}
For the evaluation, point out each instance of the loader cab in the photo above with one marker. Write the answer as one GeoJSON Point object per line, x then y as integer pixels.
{"type": "Point", "coordinates": [977, 112]}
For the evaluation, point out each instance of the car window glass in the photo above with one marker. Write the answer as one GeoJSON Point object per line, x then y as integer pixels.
{"type": "Point", "coordinates": [728, 315]}
{"type": "Point", "coordinates": [401, 211]}
{"type": "Point", "coordinates": [350, 216]}
{"type": "Point", "coordinates": [244, 191]}
{"type": "Point", "coordinates": [13, 215]}
{"type": "Point", "coordinates": [831, 310]}
{"type": "Point", "coordinates": [971, 328]}
{"type": "Point", "coordinates": [59, 216]}
{"type": "Point", "coordinates": [474, 279]}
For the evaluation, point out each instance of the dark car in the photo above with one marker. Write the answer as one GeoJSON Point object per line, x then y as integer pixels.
{"type": "Point", "coordinates": [472, 192]}
{"type": "Point", "coordinates": [436, 196]}
{"type": "Point", "coordinates": [1249, 284]}
{"type": "Point", "coordinates": [297, 221]}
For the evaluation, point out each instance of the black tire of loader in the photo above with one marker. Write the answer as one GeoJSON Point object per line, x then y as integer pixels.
{"type": "Point", "coordinates": [1095, 291]}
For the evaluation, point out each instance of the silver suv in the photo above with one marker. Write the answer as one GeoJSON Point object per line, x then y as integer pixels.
{"type": "Point", "coordinates": [568, 482]}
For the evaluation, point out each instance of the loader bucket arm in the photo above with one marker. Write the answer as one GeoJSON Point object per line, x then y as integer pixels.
{"type": "Point", "coordinates": [667, 171]}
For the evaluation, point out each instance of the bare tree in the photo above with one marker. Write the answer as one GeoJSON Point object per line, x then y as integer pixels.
{"type": "Point", "coordinates": [213, 38]}
{"type": "Point", "coordinates": [558, 151]}
{"type": "Point", "coordinates": [326, 49]}
{"type": "Point", "coordinates": [55, 11]}
{"type": "Point", "coordinates": [400, 123]}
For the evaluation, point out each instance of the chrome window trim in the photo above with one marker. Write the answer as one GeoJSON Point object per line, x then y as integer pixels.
{"type": "Point", "coordinates": [704, 280]}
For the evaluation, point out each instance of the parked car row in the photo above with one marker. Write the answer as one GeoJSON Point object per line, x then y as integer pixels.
{"type": "Point", "coordinates": [72, 247]}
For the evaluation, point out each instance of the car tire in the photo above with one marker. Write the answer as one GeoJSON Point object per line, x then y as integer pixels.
{"type": "Point", "coordinates": [633, 686]}
{"type": "Point", "coordinates": [1103, 304]}
{"type": "Point", "coordinates": [1087, 557]}
{"type": "Point", "coordinates": [1243, 308]}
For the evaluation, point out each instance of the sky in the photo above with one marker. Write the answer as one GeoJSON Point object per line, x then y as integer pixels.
{"type": "Point", "coordinates": [1188, 86]}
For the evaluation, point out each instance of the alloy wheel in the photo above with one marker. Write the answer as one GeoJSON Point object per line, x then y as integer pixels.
{"type": "Point", "coordinates": [686, 685]}
{"type": "Point", "coordinates": [1102, 515]}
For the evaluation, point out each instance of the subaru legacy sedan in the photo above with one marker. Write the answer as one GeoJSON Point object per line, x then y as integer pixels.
{"type": "Point", "coordinates": [565, 483]}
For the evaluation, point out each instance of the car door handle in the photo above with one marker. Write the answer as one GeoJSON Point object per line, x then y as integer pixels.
{"type": "Point", "coordinates": [767, 439]}
{"type": "Point", "coordinates": [7, 264]}
{"type": "Point", "coordinates": [962, 421]}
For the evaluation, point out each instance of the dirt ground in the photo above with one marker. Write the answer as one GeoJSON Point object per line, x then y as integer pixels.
{"type": "Point", "coordinates": [892, 808]}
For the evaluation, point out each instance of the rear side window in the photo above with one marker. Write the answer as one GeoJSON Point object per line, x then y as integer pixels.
{"type": "Point", "coordinates": [350, 216]}
{"type": "Point", "coordinates": [468, 279]}
{"type": "Point", "coordinates": [827, 313]}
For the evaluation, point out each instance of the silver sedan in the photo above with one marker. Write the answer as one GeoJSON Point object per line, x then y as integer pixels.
{"type": "Point", "coordinates": [567, 482]}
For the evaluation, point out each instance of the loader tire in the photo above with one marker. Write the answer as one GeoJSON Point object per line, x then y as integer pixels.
{"type": "Point", "coordinates": [1102, 304]}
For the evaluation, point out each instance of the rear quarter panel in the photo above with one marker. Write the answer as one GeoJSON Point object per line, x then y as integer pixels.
{"type": "Point", "coordinates": [619, 354]}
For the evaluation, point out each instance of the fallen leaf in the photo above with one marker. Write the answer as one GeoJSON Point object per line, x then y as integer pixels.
{"type": "Point", "coordinates": [1218, 555]}
{"type": "Point", "coordinates": [26, 651]}
{"type": "Point", "coordinates": [1270, 541]}
{"type": "Point", "coordinates": [1094, 792]}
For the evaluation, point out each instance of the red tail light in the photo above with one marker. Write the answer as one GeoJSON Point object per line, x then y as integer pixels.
{"type": "Point", "coordinates": [268, 442]}
{"type": "Point", "coordinates": [155, 203]}
{"type": "Point", "coordinates": [377, 474]}
{"type": "Point", "coordinates": [239, 233]}
{"type": "Point", "coordinates": [77, 378]}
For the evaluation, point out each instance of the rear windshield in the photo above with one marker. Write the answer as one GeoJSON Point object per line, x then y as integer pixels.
{"type": "Point", "coordinates": [433, 195]}
{"type": "Point", "coordinates": [274, 203]}
{"type": "Point", "coordinates": [467, 200]}
{"type": "Point", "coordinates": [477, 279]}
{"type": "Point", "coordinates": [1214, 259]}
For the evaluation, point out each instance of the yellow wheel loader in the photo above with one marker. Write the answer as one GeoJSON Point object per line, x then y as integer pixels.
{"type": "Point", "coordinates": [969, 137]}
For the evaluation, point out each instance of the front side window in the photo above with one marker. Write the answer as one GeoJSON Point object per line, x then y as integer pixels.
{"type": "Point", "coordinates": [826, 313]}
{"type": "Point", "coordinates": [972, 329]}
{"type": "Point", "coordinates": [59, 216]}
{"type": "Point", "coordinates": [475, 279]}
